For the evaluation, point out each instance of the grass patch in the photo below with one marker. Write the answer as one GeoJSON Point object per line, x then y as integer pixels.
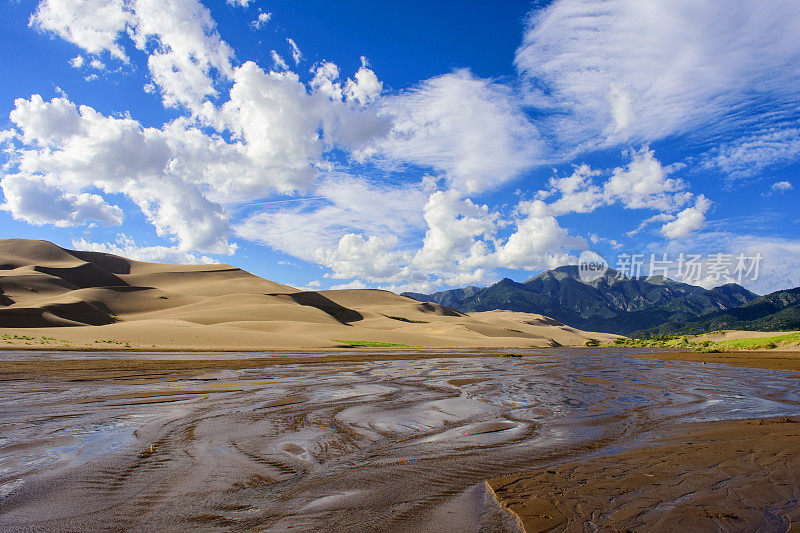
{"type": "Point", "coordinates": [762, 343]}
{"type": "Point", "coordinates": [404, 319]}
{"type": "Point", "coordinates": [44, 339]}
{"type": "Point", "coordinates": [373, 344]}
{"type": "Point", "coordinates": [690, 342]}
{"type": "Point", "coordinates": [7, 337]}
{"type": "Point", "coordinates": [126, 344]}
{"type": "Point", "coordinates": [664, 341]}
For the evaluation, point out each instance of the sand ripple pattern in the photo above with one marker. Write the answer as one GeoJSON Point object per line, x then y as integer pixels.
{"type": "Point", "coordinates": [366, 446]}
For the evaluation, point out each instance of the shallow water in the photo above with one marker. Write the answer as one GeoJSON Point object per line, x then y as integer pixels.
{"type": "Point", "coordinates": [338, 446]}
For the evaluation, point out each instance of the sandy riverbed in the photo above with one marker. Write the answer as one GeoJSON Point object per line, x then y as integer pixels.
{"type": "Point", "coordinates": [393, 442]}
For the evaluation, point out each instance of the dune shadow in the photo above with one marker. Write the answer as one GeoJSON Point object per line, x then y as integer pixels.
{"type": "Point", "coordinates": [111, 263]}
{"type": "Point", "coordinates": [91, 314]}
{"type": "Point", "coordinates": [83, 276]}
{"type": "Point", "coordinates": [60, 314]}
{"type": "Point", "coordinates": [315, 299]}
{"type": "Point", "coordinates": [427, 307]}
{"type": "Point", "coordinates": [5, 300]}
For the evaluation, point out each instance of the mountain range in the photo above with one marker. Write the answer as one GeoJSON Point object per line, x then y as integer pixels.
{"type": "Point", "coordinates": [777, 311]}
{"type": "Point", "coordinates": [612, 303]}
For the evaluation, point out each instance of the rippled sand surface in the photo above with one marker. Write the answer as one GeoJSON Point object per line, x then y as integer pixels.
{"type": "Point", "coordinates": [336, 446]}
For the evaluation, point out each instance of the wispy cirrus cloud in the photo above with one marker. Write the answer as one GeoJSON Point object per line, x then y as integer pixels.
{"type": "Point", "coordinates": [619, 70]}
{"type": "Point", "coordinates": [751, 154]}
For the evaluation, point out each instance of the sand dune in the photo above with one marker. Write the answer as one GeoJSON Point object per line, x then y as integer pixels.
{"type": "Point", "coordinates": [736, 334]}
{"type": "Point", "coordinates": [51, 297]}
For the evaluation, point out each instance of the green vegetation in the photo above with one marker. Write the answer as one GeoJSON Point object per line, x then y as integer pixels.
{"type": "Point", "coordinates": [10, 339]}
{"type": "Point", "coordinates": [762, 343]}
{"type": "Point", "coordinates": [373, 344]}
{"type": "Point", "coordinates": [27, 340]}
{"type": "Point", "coordinates": [403, 319]}
{"type": "Point", "coordinates": [691, 342]}
{"type": "Point", "coordinates": [665, 341]}
{"type": "Point", "coordinates": [162, 297]}
{"type": "Point", "coordinates": [126, 344]}
{"type": "Point", "coordinates": [593, 342]}
{"type": "Point", "coordinates": [656, 341]}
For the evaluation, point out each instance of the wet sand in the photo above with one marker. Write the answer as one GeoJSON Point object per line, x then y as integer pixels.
{"type": "Point", "coordinates": [726, 476]}
{"type": "Point", "coordinates": [771, 359]}
{"type": "Point", "coordinates": [366, 442]}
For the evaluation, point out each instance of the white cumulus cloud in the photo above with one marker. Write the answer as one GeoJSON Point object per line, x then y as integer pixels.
{"type": "Point", "coordinates": [76, 148]}
{"type": "Point", "coordinates": [687, 221]}
{"type": "Point", "coordinates": [366, 86]}
{"type": "Point", "coordinates": [261, 20]}
{"type": "Point", "coordinates": [472, 130]}
{"type": "Point", "coordinates": [781, 186]}
{"type": "Point", "coordinates": [125, 246]}
{"type": "Point", "coordinates": [185, 51]}
{"type": "Point", "coordinates": [539, 241]}
{"type": "Point", "coordinates": [94, 25]}
{"type": "Point", "coordinates": [643, 183]}
{"type": "Point", "coordinates": [32, 199]}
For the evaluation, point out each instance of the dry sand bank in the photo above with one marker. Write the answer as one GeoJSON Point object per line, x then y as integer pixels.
{"type": "Point", "coordinates": [725, 476]}
{"type": "Point", "coordinates": [54, 298]}
{"type": "Point", "coordinates": [733, 334]}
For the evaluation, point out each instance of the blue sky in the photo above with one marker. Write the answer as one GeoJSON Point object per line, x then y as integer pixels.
{"type": "Point", "coordinates": [406, 146]}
